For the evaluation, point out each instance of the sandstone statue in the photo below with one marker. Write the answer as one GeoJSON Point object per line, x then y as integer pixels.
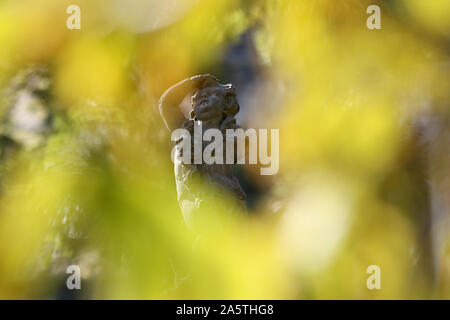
{"type": "Point", "coordinates": [202, 187]}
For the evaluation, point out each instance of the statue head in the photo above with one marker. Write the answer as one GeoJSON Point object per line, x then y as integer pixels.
{"type": "Point", "coordinates": [214, 102]}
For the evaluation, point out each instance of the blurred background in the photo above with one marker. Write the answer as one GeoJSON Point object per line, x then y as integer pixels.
{"type": "Point", "coordinates": [86, 176]}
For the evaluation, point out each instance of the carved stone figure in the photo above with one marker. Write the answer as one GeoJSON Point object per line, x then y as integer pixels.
{"type": "Point", "coordinates": [201, 187]}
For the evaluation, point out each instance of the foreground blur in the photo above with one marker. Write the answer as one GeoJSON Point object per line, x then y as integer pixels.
{"type": "Point", "coordinates": [85, 170]}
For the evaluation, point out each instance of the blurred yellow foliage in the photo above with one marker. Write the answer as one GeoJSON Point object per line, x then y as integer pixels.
{"type": "Point", "coordinates": [103, 181]}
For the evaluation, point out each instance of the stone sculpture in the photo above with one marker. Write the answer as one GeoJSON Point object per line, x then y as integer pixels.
{"type": "Point", "coordinates": [201, 187]}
